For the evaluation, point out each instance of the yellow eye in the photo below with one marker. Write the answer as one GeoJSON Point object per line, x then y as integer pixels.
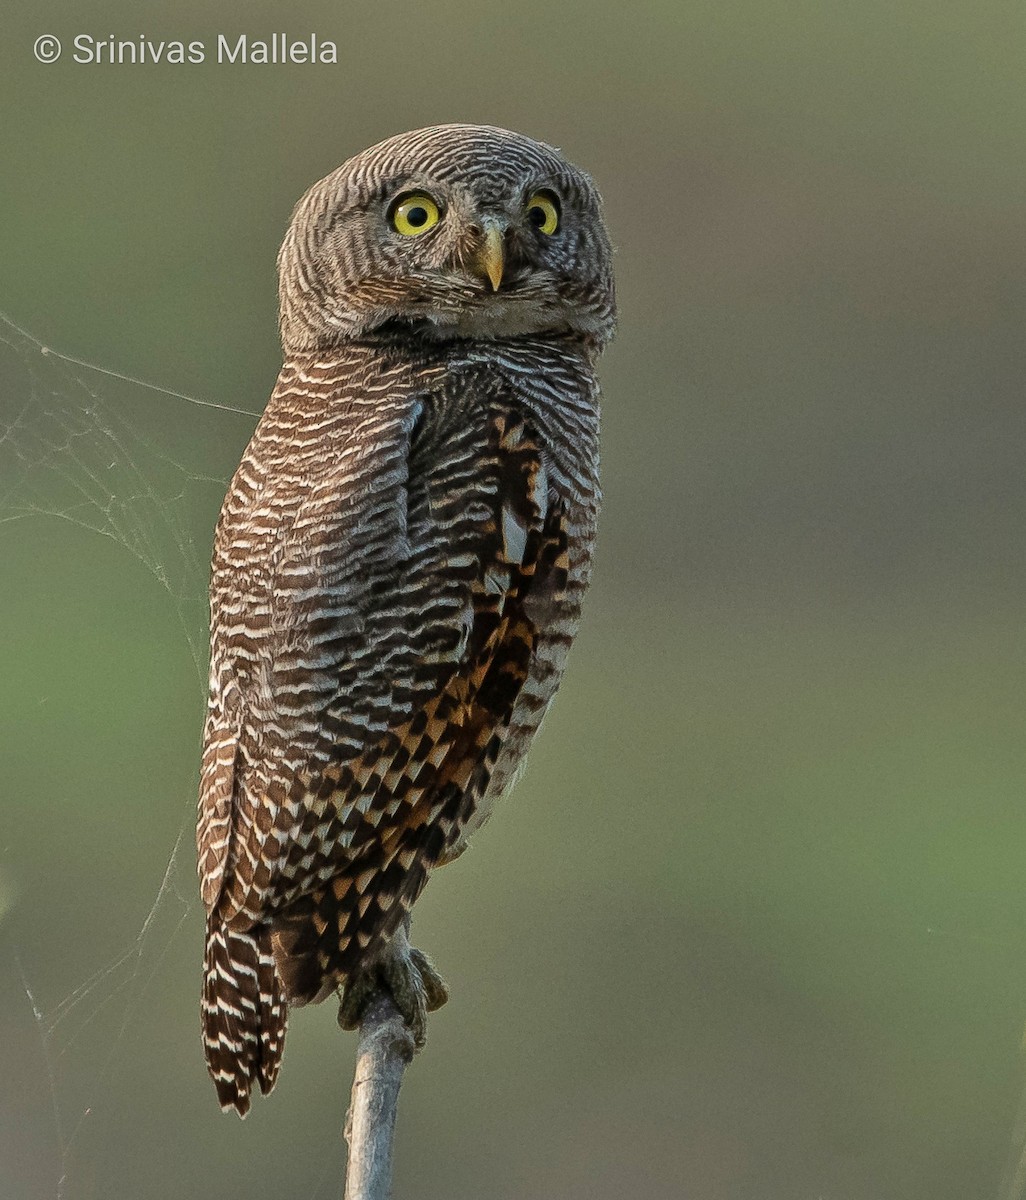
{"type": "Point", "coordinates": [415, 213]}
{"type": "Point", "coordinates": [543, 212]}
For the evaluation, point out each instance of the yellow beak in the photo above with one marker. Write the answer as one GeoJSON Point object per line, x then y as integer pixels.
{"type": "Point", "coordinates": [491, 258]}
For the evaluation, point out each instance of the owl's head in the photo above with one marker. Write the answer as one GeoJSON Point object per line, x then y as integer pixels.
{"type": "Point", "coordinates": [449, 231]}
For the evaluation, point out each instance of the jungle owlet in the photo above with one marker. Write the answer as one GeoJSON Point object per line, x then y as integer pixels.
{"type": "Point", "coordinates": [398, 567]}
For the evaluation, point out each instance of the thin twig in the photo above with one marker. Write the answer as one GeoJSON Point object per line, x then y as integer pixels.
{"type": "Point", "coordinates": [385, 1051]}
{"type": "Point", "coordinates": [1013, 1182]}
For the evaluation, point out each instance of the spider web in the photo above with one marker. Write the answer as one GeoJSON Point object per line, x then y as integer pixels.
{"type": "Point", "coordinates": [67, 453]}
{"type": "Point", "coordinates": [70, 451]}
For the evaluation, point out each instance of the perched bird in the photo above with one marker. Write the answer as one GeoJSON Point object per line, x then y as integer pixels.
{"type": "Point", "coordinates": [398, 567]}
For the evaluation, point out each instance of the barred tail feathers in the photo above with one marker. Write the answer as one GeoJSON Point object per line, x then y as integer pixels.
{"type": "Point", "coordinates": [244, 1013]}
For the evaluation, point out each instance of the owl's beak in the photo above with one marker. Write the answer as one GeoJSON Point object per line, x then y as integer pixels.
{"type": "Point", "coordinates": [491, 257]}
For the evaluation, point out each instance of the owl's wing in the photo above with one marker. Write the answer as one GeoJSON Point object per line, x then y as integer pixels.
{"type": "Point", "coordinates": [396, 660]}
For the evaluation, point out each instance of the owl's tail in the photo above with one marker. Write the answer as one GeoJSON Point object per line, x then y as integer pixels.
{"type": "Point", "coordinates": [244, 1013]}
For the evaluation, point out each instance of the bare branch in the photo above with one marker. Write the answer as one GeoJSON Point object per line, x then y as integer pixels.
{"type": "Point", "coordinates": [385, 1050]}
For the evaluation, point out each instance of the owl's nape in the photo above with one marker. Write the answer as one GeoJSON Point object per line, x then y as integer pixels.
{"type": "Point", "coordinates": [398, 568]}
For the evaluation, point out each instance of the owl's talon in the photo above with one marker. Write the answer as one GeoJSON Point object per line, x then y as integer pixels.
{"type": "Point", "coordinates": [357, 993]}
{"type": "Point", "coordinates": [436, 990]}
{"type": "Point", "coordinates": [410, 977]}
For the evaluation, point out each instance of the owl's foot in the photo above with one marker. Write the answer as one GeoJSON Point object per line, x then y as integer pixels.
{"type": "Point", "coordinates": [410, 977]}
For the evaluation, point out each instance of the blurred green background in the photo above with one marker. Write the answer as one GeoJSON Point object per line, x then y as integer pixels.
{"type": "Point", "coordinates": [754, 926]}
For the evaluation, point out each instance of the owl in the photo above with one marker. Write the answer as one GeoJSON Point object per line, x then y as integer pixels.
{"type": "Point", "coordinates": [398, 568]}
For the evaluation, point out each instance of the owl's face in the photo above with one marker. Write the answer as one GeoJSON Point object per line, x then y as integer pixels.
{"type": "Point", "coordinates": [450, 231]}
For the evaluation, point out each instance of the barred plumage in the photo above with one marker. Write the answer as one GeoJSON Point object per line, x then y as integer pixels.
{"type": "Point", "coordinates": [398, 571]}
